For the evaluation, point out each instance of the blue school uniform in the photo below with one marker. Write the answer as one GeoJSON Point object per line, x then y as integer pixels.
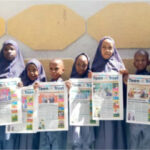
{"type": "Point", "coordinates": [139, 134]}
{"type": "Point", "coordinates": [53, 140]}
{"type": "Point", "coordinates": [80, 137]}
{"type": "Point", "coordinates": [30, 140]}
{"type": "Point", "coordinates": [9, 69]}
{"type": "Point", "coordinates": [110, 134]}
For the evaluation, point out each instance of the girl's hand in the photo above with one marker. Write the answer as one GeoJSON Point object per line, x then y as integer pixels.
{"type": "Point", "coordinates": [20, 85]}
{"type": "Point", "coordinates": [123, 72]}
{"type": "Point", "coordinates": [68, 84]}
{"type": "Point", "coordinates": [125, 75]}
{"type": "Point", "coordinates": [125, 78]}
{"type": "Point", "coordinates": [36, 85]}
{"type": "Point", "coordinates": [90, 74]}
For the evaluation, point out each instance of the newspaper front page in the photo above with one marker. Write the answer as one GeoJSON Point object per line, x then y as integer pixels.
{"type": "Point", "coordinates": [29, 113]}
{"type": "Point", "coordinates": [80, 101]}
{"type": "Point", "coordinates": [10, 102]}
{"type": "Point", "coordinates": [138, 99]}
{"type": "Point", "coordinates": [107, 96]}
{"type": "Point", "coordinates": [52, 107]}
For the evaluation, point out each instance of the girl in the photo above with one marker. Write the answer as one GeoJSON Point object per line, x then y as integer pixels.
{"type": "Point", "coordinates": [33, 72]}
{"type": "Point", "coordinates": [81, 66]}
{"type": "Point", "coordinates": [11, 65]}
{"type": "Point", "coordinates": [11, 60]}
{"type": "Point", "coordinates": [85, 137]}
{"type": "Point", "coordinates": [138, 134]}
{"type": "Point", "coordinates": [110, 134]}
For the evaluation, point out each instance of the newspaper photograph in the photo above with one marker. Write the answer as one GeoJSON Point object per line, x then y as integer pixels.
{"type": "Point", "coordinates": [10, 102]}
{"type": "Point", "coordinates": [107, 96]}
{"type": "Point", "coordinates": [80, 102]}
{"type": "Point", "coordinates": [29, 113]}
{"type": "Point", "coordinates": [52, 107]}
{"type": "Point", "coordinates": [138, 99]}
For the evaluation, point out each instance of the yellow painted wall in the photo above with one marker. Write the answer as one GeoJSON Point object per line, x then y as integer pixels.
{"type": "Point", "coordinates": [56, 27]}
{"type": "Point", "coordinates": [2, 26]}
{"type": "Point", "coordinates": [47, 27]}
{"type": "Point", "coordinates": [127, 23]}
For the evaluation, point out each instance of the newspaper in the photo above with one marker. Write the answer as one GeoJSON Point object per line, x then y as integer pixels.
{"type": "Point", "coordinates": [80, 101]}
{"type": "Point", "coordinates": [52, 107]}
{"type": "Point", "coordinates": [10, 102]}
{"type": "Point", "coordinates": [107, 96]}
{"type": "Point", "coordinates": [138, 99]}
{"type": "Point", "coordinates": [29, 113]}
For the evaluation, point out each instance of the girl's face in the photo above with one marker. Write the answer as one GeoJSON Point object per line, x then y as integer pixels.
{"type": "Point", "coordinates": [107, 48]}
{"type": "Point", "coordinates": [81, 64]}
{"type": "Point", "coordinates": [140, 61]}
{"type": "Point", "coordinates": [32, 72]}
{"type": "Point", "coordinates": [9, 52]}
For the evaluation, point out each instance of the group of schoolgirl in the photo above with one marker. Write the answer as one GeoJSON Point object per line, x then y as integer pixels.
{"type": "Point", "coordinates": [109, 135]}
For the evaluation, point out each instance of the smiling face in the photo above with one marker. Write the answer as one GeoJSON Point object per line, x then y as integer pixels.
{"type": "Point", "coordinates": [81, 64]}
{"type": "Point", "coordinates": [9, 52]}
{"type": "Point", "coordinates": [107, 48]}
{"type": "Point", "coordinates": [140, 61]}
{"type": "Point", "coordinates": [32, 72]}
{"type": "Point", "coordinates": [56, 68]}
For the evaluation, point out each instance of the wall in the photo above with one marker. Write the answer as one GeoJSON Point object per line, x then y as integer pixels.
{"type": "Point", "coordinates": [64, 28]}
